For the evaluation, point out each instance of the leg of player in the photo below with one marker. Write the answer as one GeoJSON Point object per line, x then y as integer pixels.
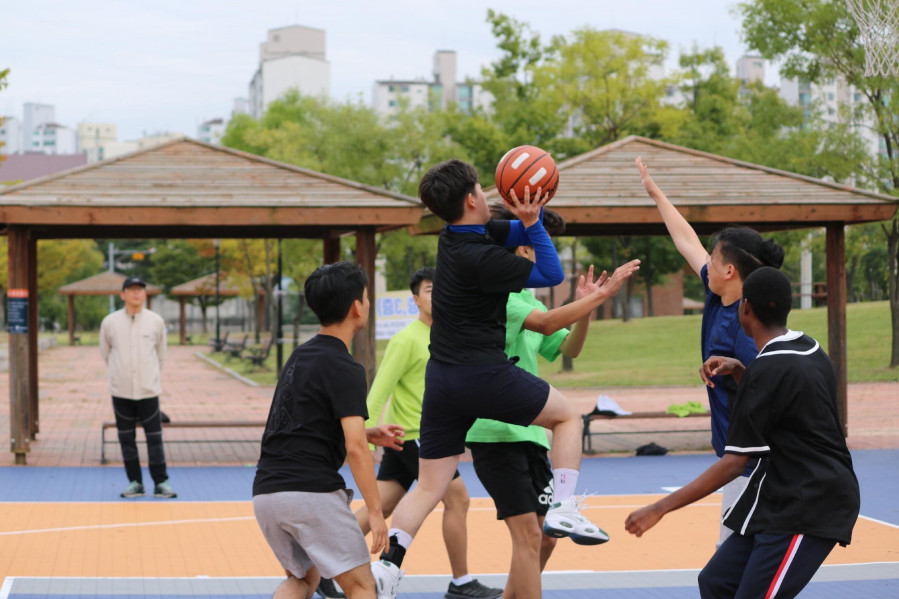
{"type": "Point", "coordinates": [524, 573]}
{"type": "Point", "coordinates": [434, 477]}
{"type": "Point", "coordinates": [547, 545]}
{"type": "Point", "coordinates": [357, 583]}
{"type": "Point", "coordinates": [563, 518]}
{"type": "Point", "coordinates": [455, 530]}
{"type": "Point", "coordinates": [297, 588]}
{"type": "Point", "coordinates": [391, 492]}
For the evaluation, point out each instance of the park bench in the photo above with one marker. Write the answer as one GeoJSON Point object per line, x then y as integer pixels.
{"type": "Point", "coordinates": [587, 441]}
{"type": "Point", "coordinates": [235, 349]}
{"type": "Point", "coordinates": [256, 356]}
{"type": "Point", "coordinates": [187, 424]}
{"type": "Point", "coordinates": [217, 344]}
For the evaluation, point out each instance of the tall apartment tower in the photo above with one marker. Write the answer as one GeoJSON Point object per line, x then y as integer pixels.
{"type": "Point", "coordinates": [290, 58]}
{"type": "Point", "coordinates": [750, 69]}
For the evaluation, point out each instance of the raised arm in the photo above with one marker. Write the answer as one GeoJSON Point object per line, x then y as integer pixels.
{"type": "Point", "coordinates": [362, 466]}
{"type": "Point", "coordinates": [683, 235]}
{"type": "Point", "coordinates": [547, 323]}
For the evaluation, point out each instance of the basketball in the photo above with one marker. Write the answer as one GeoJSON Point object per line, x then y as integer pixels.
{"type": "Point", "coordinates": [526, 166]}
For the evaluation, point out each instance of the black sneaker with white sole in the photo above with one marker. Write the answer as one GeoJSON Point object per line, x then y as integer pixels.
{"type": "Point", "coordinates": [472, 590]}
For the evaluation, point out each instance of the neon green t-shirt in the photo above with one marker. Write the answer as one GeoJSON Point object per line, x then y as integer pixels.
{"type": "Point", "coordinates": [525, 345]}
{"type": "Point", "coordinates": [401, 379]}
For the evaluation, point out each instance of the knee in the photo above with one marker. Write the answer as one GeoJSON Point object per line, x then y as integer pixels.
{"type": "Point", "coordinates": [456, 502]}
{"type": "Point", "coordinates": [708, 584]}
{"type": "Point", "coordinates": [547, 543]}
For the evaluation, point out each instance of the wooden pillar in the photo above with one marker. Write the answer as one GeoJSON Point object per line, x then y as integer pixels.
{"type": "Point", "coordinates": [331, 250]}
{"type": "Point", "coordinates": [149, 302]}
{"type": "Point", "coordinates": [19, 437]}
{"type": "Point", "coordinates": [33, 328]}
{"type": "Point", "coordinates": [71, 319]}
{"type": "Point", "coordinates": [182, 319]}
{"type": "Point", "coordinates": [836, 315]}
{"type": "Point", "coordinates": [364, 343]}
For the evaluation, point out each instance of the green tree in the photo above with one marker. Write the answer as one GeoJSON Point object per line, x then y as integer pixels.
{"type": "Point", "coordinates": [64, 261]}
{"type": "Point", "coordinates": [818, 40]}
{"type": "Point", "coordinates": [179, 261]}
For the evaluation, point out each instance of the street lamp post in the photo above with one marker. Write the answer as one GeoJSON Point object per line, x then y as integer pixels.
{"type": "Point", "coordinates": [216, 243]}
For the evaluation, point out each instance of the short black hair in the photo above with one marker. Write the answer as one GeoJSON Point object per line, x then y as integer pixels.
{"type": "Point", "coordinates": [552, 220]}
{"type": "Point", "coordinates": [746, 250]}
{"type": "Point", "coordinates": [770, 294]}
{"type": "Point", "coordinates": [422, 274]}
{"type": "Point", "coordinates": [331, 290]}
{"type": "Point", "coordinates": [444, 187]}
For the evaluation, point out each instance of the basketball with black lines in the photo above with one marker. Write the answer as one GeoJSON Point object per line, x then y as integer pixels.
{"type": "Point", "coordinates": [526, 166]}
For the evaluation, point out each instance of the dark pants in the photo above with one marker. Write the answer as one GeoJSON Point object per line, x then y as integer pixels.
{"type": "Point", "coordinates": [757, 566]}
{"type": "Point", "coordinates": [128, 413]}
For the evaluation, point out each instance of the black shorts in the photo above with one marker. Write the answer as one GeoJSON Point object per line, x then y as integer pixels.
{"type": "Point", "coordinates": [456, 395]}
{"type": "Point", "coordinates": [401, 466]}
{"type": "Point", "coordinates": [517, 476]}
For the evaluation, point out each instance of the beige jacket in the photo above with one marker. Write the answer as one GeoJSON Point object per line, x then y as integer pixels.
{"type": "Point", "coordinates": [134, 350]}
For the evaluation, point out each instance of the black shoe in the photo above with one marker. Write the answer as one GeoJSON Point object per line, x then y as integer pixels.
{"type": "Point", "coordinates": [327, 588]}
{"type": "Point", "coordinates": [472, 589]}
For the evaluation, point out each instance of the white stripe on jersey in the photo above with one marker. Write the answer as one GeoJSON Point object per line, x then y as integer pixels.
{"type": "Point", "coordinates": [754, 504]}
{"type": "Point", "coordinates": [790, 351]}
{"type": "Point", "coordinates": [724, 516]}
{"type": "Point", "coordinates": [736, 449]}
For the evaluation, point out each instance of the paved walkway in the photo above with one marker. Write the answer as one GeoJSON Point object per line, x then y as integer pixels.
{"type": "Point", "coordinates": [74, 402]}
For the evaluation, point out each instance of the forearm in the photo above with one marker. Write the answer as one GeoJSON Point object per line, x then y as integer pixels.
{"type": "Point", "coordinates": [362, 466]}
{"type": "Point", "coordinates": [549, 322]}
{"type": "Point", "coordinates": [682, 234]}
{"type": "Point", "coordinates": [547, 271]}
{"type": "Point", "coordinates": [718, 474]}
{"type": "Point", "coordinates": [574, 342]}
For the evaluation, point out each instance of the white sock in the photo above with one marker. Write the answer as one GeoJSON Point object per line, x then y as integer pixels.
{"type": "Point", "coordinates": [462, 580]}
{"type": "Point", "coordinates": [402, 537]}
{"type": "Point", "coordinates": [564, 483]}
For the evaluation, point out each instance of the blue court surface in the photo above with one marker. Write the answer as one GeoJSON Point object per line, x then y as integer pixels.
{"type": "Point", "coordinates": [876, 470]}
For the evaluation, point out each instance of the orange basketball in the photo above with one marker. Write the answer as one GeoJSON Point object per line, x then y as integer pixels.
{"type": "Point", "coordinates": [526, 166]}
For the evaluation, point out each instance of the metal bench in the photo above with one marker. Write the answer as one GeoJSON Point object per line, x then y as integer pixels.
{"type": "Point", "coordinates": [587, 441]}
{"type": "Point", "coordinates": [188, 424]}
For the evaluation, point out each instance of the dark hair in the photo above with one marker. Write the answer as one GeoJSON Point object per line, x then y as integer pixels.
{"type": "Point", "coordinates": [552, 220]}
{"type": "Point", "coordinates": [746, 250]}
{"type": "Point", "coordinates": [331, 290]}
{"type": "Point", "coordinates": [422, 274]}
{"type": "Point", "coordinates": [770, 294]}
{"type": "Point", "coordinates": [443, 188]}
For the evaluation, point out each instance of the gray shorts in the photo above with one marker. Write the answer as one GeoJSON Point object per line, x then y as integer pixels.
{"type": "Point", "coordinates": [312, 529]}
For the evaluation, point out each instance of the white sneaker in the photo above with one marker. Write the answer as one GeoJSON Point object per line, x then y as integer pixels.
{"type": "Point", "coordinates": [564, 520]}
{"type": "Point", "coordinates": [387, 578]}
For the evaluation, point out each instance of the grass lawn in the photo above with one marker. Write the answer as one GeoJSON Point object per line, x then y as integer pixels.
{"type": "Point", "coordinates": [648, 351]}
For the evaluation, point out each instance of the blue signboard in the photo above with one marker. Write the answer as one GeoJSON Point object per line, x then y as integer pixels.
{"type": "Point", "coordinates": [17, 310]}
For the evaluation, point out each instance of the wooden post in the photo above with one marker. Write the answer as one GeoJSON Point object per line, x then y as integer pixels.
{"type": "Point", "coordinates": [33, 328]}
{"type": "Point", "coordinates": [19, 437]}
{"type": "Point", "coordinates": [182, 320]}
{"type": "Point", "coordinates": [836, 315]}
{"type": "Point", "coordinates": [364, 343]}
{"type": "Point", "coordinates": [71, 319]}
{"type": "Point", "coordinates": [331, 250]}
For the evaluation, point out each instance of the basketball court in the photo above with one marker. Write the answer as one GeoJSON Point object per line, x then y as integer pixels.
{"type": "Point", "coordinates": [66, 534]}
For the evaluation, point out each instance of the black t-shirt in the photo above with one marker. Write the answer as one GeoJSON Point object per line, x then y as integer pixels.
{"type": "Point", "coordinates": [786, 413]}
{"type": "Point", "coordinates": [475, 275]}
{"type": "Point", "coordinates": [303, 444]}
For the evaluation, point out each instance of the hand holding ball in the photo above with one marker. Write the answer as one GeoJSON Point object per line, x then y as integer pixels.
{"type": "Point", "coordinates": [526, 166]}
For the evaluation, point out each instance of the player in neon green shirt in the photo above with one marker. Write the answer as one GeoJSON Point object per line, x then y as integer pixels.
{"type": "Point", "coordinates": [401, 380]}
{"type": "Point", "coordinates": [511, 461]}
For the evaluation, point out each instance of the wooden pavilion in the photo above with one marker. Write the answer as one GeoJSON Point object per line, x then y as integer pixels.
{"type": "Point", "coordinates": [600, 194]}
{"type": "Point", "coordinates": [181, 189]}
{"type": "Point", "coordinates": [105, 283]}
{"type": "Point", "coordinates": [203, 286]}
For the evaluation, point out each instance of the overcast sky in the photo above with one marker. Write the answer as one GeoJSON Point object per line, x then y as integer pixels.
{"type": "Point", "coordinates": [168, 65]}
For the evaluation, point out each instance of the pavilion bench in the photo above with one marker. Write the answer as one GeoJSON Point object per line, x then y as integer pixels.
{"type": "Point", "coordinates": [188, 424]}
{"type": "Point", "coordinates": [587, 441]}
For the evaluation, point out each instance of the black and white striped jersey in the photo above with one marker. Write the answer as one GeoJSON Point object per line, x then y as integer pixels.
{"type": "Point", "coordinates": [785, 413]}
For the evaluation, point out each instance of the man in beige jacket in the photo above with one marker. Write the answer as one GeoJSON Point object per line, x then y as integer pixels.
{"type": "Point", "coordinates": [132, 342]}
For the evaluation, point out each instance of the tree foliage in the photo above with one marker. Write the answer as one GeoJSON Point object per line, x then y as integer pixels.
{"type": "Point", "coordinates": [819, 41]}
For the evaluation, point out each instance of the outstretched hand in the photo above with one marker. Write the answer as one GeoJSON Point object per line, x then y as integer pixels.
{"type": "Point", "coordinates": [527, 209]}
{"type": "Point", "coordinates": [612, 284]}
{"type": "Point", "coordinates": [586, 285]}
{"type": "Point", "coordinates": [386, 435]}
{"type": "Point", "coordinates": [648, 183]}
{"type": "Point", "coordinates": [641, 520]}
{"type": "Point", "coordinates": [716, 365]}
